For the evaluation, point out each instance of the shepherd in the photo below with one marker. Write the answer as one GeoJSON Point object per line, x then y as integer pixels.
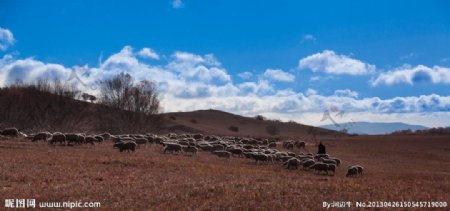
{"type": "Point", "coordinates": [321, 149]}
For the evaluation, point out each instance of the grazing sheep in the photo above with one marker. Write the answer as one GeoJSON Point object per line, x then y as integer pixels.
{"type": "Point", "coordinates": [41, 136]}
{"type": "Point", "coordinates": [289, 146]}
{"type": "Point", "coordinates": [106, 136]}
{"type": "Point", "coordinates": [141, 141]}
{"type": "Point", "coordinates": [328, 161]}
{"type": "Point", "coordinates": [206, 147]}
{"type": "Point", "coordinates": [319, 167]}
{"type": "Point", "coordinates": [172, 147]}
{"type": "Point", "coordinates": [352, 171]}
{"type": "Point", "coordinates": [13, 132]}
{"type": "Point", "coordinates": [293, 162]}
{"type": "Point", "coordinates": [128, 146]}
{"type": "Point", "coordinates": [260, 157]}
{"type": "Point", "coordinates": [338, 161]}
{"type": "Point", "coordinates": [99, 138]}
{"type": "Point", "coordinates": [236, 151]}
{"type": "Point", "coordinates": [71, 138]}
{"type": "Point", "coordinates": [300, 144]}
{"type": "Point", "coordinates": [272, 145]}
{"type": "Point", "coordinates": [218, 147]}
{"type": "Point", "coordinates": [332, 167]}
{"type": "Point", "coordinates": [197, 136]}
{"type": "Point", "coordinates": [222, 154]}
{"type": "Point", "coordinates": [284, 158]}
{"type": "Point", "coordinates": [319, 156]}
{"type": "Point", "coordinates": [58, 137]}
{"type": "Point", "coordinates": [189, 149]}
{"type": "Point", "coordinates": [89, 140]}
{"type": "Point", "coordinates": [81, 139]}
{"type": "Point", "coordinates": [360, 169]}
{"type": "Point", "coordinates": [308, 163]}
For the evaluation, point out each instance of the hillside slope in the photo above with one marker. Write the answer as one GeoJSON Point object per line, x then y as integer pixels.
{"type": "Point", "coordinates": [219, 122]}
{"type": "Point", "coordinates": [31, 110]}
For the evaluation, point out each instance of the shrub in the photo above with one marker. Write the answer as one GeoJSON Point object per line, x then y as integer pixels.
{"type": "Point", "coordinates": [272, 129]}
{"type": "Point", "coordinates": [234, 128]}
{"type": "Point", "coordinates": [260, 117]}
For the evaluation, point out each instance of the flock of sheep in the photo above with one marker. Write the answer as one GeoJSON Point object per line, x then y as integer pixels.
{"type": "Point", "coordinates": [262, 151]}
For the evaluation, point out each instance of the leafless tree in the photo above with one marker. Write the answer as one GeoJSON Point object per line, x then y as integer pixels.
{"type": "Point", "coordinates": [121, 92]}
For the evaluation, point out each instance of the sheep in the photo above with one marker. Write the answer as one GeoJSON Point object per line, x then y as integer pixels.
{"type": "Point", "coordinates": [172, 147]}
{"type": "Point", "coordinates": [41, 136]}
{"type": "Point", "coordinates": [308, 163]}
{"type": "Point", "coordinates": [319, 167]}
{"type": "Point", "coordinates": [206, 147]}
{"type": "Point", "coordinates": [128, 146]}
{"type": "Point", "coordinates": [319, 156]}
{"type": "Point", "coordinates": [89, 140]}
{"type": "Point", "coordinates": [284, 158]}
{"type": "Point", "coordinates": [301, 157]}
{"type": "Point", "coordinates": [260, 157]}
{"type": "Point", "coordinates": [189, 149]}
{"type": "Point", "coordinates": [352, 171]}
{"type": "Point", "coordinates": [58, 137]}
{"type": "Point", "coordinates": [360, 169]}
{"type": "Point", "coordinates": [338, 161]}
{"type": "Point", "coordinates": [105, 136]}
{"type": "Point", "coordinates": [218, 147]}
{"type": "Point", "coordinates": [71, 138]}
{"type": "Point", "coordinates": [222, 154]}
{"type": "Point", "coordinates": [272, 145]}
{"type": "Point", "coordinates": [13, 132]}
{"type": "Point", "coordinates": [81, 139]}
{"type": "Point", "coordinates": [328, 161]}
{"type": "Point", "coordinates": [236, 151]}
{"type": "Point", "coordinates": [99, 138]}
{"type": "Point", "coordinates": [332, 167]}
{"type": "Point", "coordinates": [141, 141]}
{"type": "Point", "coordinates": [197, 136]}
{"type": "Point", "coordinates": [291, 154]}
{"type": "Point", "coordinates": [300, 144]}
{"type": "Point", "coordinates": [289, 146]}
{"type": "Point", "coordinates": [293, 162]}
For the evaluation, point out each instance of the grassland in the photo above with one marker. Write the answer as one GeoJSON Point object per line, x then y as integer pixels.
{"type": "Point", "coordinates": [409, 168]}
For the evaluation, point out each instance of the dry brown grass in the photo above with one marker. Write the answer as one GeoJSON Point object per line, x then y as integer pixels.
{"type": "Point", "coordinates": [396, 169]}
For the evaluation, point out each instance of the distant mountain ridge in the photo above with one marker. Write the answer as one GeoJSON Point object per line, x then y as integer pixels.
{"type": "Point", "coordinates": [373, 128]}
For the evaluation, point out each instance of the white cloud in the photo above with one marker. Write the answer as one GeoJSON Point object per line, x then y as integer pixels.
{"type": "Point", "coordinates": [308, 37]}
{"type": "Point", "coordinates": [29, 70]}
{"type": "Point", "coordinates": [329, 62]}
{"type": "Point", "coordinates": [245, 75]}
{"type": "Point", "coordinates": [310, 92]}
{"type": "Point", "coordinates": [177, 4]}
{"type": "Point", "coordinates": [195, 67]}
{"type": "Point", "coordinates": [6, 39]}
{"type": "Point", "coordinates": [314, 78]}
{"type": "Point", "coordinates": [279, 75]}
{"type": "Point", "coordinates": [346, 93]}
{"type": "Point", "coordinates": [408, 56]}
{"type": "Point", "coordinates": [411, 75]}
{"type": "Point", "coordinates": [260, 88]}
{"type": "Point", "coordinates": [148, 53]}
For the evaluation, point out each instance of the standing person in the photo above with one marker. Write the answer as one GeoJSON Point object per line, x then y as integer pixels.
{"type": "Point", "coordinates": [321, 149]}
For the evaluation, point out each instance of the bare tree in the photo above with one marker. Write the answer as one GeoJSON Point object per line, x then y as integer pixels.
{"type": "Point", "coordinates": [121, 92]}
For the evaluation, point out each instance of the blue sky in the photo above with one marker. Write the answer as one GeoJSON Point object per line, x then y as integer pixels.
{"type": "Point", "coordinates": [243, 56]}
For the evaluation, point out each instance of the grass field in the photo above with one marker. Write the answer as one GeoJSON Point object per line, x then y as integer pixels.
{"type": "Point", "coordinates": [396, 169]}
